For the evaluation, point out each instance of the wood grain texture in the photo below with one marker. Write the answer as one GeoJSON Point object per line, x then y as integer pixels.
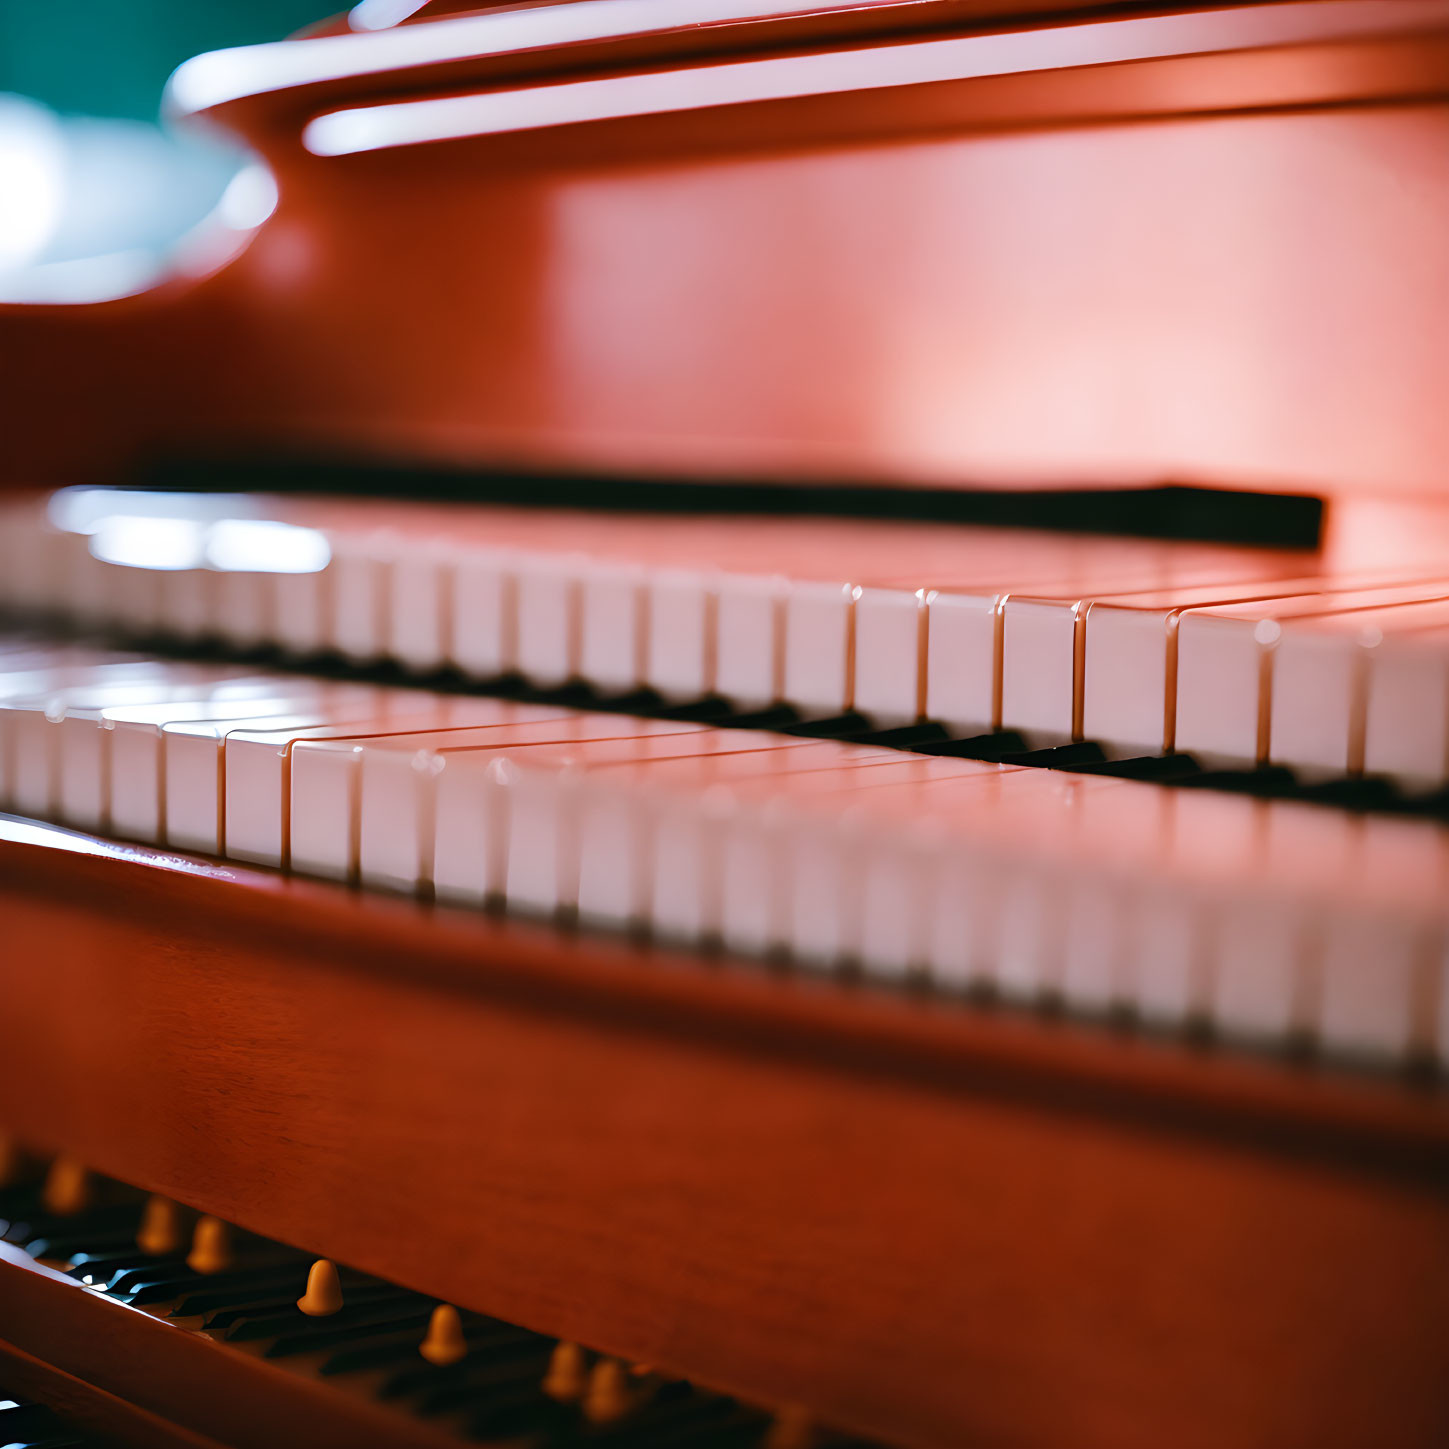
{"type": "Point", "coordinates": [935, 1224]}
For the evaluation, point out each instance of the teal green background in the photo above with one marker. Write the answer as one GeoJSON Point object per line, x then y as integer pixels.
{"type": "Point", "coordinates": [112, 57]}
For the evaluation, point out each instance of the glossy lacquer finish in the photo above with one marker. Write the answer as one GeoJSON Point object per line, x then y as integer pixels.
{"type": "Point", "coordinates": [1126, 247]}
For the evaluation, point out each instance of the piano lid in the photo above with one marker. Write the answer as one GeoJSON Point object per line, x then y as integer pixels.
{"type": "Point", "coordinates": [725, 240]}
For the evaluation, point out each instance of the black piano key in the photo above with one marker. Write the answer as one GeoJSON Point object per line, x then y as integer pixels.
{"type": "Point", "coordinates": [104, 1266]}
{"type": "Point", "coordinates": [991, 748]}
{"type": "Point", "coordinates": [1163, 768]}
{"type": "Point", "coordinates": [711, 710]}
{"type": "Point", "coordinates": [498, 1360]}
{"type": "Point", "coordinates": [247, 1328]}
{"type": "Point", "coordinates": [375, 1353]}
{"type": "Point", "coordinates": [903, 737]}
{"type": "Point", "coordinates": [525, 1413]}
{"type": "Point", "coordinates": [63, 1246]}
{"type": "Point", "coordinates": [157, 1270]}
{"type": "Point", "coordinates": [1058, 757]}
{"type": "Point", "coordinates": [448, 1391]}
{"type": "Point", "coordinates": [1352, 794]}
{"type": "Point", "coordinates": [1270, 780]}
{"type": "Point", "coordinates": [315, 1335]}
{"type": "Point", "coordinates": [839, 726]}
{"type": "Point", "coordinates": [778, 718]}
{"type": "Point", "coordinates": [24, 1419]}
{"type": "Point", "coordinates": [265, 1288]}
{"type": "Point", "coordinates": [402, 1350]}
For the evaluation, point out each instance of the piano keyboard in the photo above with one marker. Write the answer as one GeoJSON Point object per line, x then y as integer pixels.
{"type": "Point", "coordinates": [1272, 922]}
{"type": "Point", "coordinates": [1330, 665]}
{"type": "Point", "coordinates": [385, 1365]}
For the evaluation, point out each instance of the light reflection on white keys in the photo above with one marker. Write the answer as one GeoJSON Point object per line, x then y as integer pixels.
{"type": "Point", "coordinates": [1324, 676]}
{"type": "Point", "coordinates": [359, 806]}
{"type": "Point", "coordinates": [1267, 921]}
{"type": "Point", "coordinates": [1224, 659]}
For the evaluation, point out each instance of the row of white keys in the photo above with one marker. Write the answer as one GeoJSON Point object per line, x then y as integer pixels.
{"type": "Point", "coordinates": [394, 797]}
{"type": "Point", "coordinates": [1101, 893]}
{"type": "Point", "coordinates": [920, 646]}
{"type": "Point", "coordinates": [812, 612]}
{"type": "Point", "coordinates": [1171, 672]}
{"type": "Point", "coordinates": [1225, 668]}
{"type": "Point", "coordinates": [1270, 921]}
{"type": "Point", "coordinates": [1123, 647]}
{"type": "Point", "coordinates": [1079, 644]}
{"type": "Point", "coordinates": [1366, 691]}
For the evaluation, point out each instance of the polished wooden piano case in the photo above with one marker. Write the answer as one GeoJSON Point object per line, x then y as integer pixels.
{"type": "Point", "coordinates": [919, 243]}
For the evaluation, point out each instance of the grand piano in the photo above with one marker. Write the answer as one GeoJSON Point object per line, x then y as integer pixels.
{"type": "Point", "coordinates": [728, 725]}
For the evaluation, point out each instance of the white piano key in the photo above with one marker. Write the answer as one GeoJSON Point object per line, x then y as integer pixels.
{"type": "Point", "coordinates": [30, 728]}
{"type": "Point", "coordinates": [186, 607]}
{"type": "Point", "coordinates": [1027, 944]}
{"type": "Point", "coordinates": [390, 851]}
{"type": "Point", "coordinates": [303, 610]}
{"type": "Point", "coordinates": [398, 783]}
{"type": "Point", "coordinates": [750, 631]}
{"type": "Point", "coordinates": [611, 625]}
{"type": "Point", "coordinates": [84, 736]}
{"type": "Point", "coordinates": [1406, 717]}
{"type": "Point", "coordinates": [260, 760]}
{"type": "Point", "coordinates": [549, 792]}
{"type": "Point", "coordinates": [1321, 681]}
{"type": "Point", "coordinates": [819, 644]}
{"type": "Point", "coordinates": [680, 650]}
{"type": "Point", "coordinates": [1095, 921]}
{"type": "Point", "coordinates": [1221, 666]}
{"type": "Point", "coordinates": [1257, 959]}
{"type": "Point", "coordinates": [1039, 667]}
{"type": "Point", "coordinates": [245, 608]}
{"type": "Point", "coordinates": [361, 570]}
{"type": "Point", "coordinates": [1368, 977]}
{"type": "Point", "coordinates": [549, 626]}
{"type": "Point", "coordinates": [193, 761]}
{"type": "Point", "coordinates": [1163, 965]}
{"type": "Point", "coordinates": [135, 744]}
{"type": "Point", "coordinates": [960, 923]}
{"type": "Point", "coordinates": [961, 661]}
{"type": "Point", "coordinates": [1125, 678]}
{"type": "Point", "coordinates": [750, 856]}
{"type": "Point", "coordinates": [894, 910]}
{"type": "Point", "coordinates": [680, 832]}
{"type": "Point", "coordinates": [614, 870]}
{"type": "Point", "coordinates": [135, 600]}
{"type": "Point", "coordinates": [890, 654]}
{"type": "Point", "coordinates": [421, 617]}
{"type": "Point", "coordinates": [485, 615]}
{"type": "Point", "coordinates": [469, 828]}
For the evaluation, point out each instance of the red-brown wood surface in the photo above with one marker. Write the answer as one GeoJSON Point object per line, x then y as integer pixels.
{"type": "Point", "coordinates": [939, 1224]}
{"type": "Point", "coordinates": [1213, 266]}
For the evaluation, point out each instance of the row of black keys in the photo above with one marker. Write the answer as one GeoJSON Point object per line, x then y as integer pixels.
{"type": "Point", "coordinates": [1005, 747]}
{"type": "Point", "coordinates": [495, 1390]}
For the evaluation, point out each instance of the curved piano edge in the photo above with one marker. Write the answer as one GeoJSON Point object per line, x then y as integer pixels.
{"type": "Point", "coordinates": [939, 1040]}
{"type": "Point", "coordinates": [933, 1224]}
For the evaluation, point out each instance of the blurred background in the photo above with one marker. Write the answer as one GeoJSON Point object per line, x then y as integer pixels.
{"type": "Point", "coordinates": [95, 193]}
